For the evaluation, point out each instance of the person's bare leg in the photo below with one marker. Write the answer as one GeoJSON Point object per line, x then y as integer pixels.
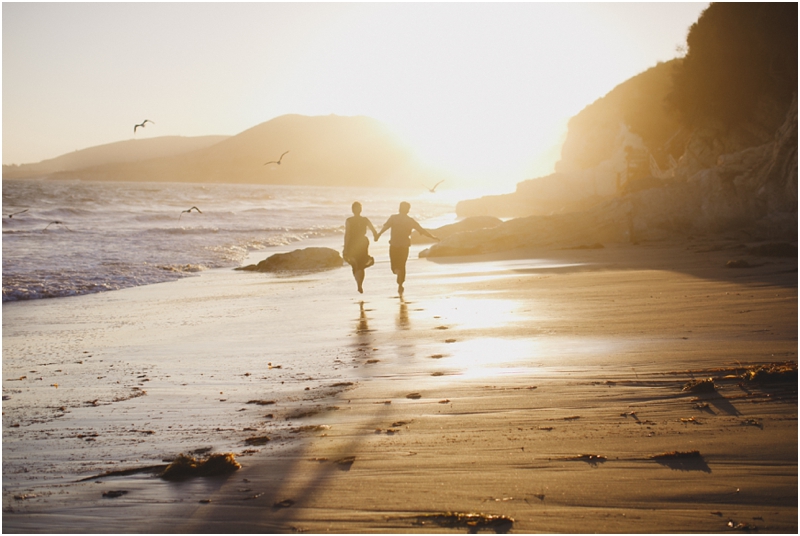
{"type": "Point", "coordinates": [359, 275]}
{"type": "Point", "coordinates": [401, 278]}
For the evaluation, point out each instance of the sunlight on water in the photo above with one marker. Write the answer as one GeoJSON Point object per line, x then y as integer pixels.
{"type": "Point", "coordinates": [489, 357]}
{"type": "Point", "coordinates": [471, 313]}
{"type": "Point", "coordinates": [493, 356]}
{"type": "Point", "coordinates": [459, 273]}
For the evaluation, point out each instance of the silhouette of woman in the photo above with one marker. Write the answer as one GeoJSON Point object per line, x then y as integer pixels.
{"type": "Point", "coordinates": [356, 244]}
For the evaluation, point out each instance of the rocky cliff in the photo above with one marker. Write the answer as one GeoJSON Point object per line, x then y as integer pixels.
{"type": "Point", "coordinates": [703, 145]}
{"type": "Point", "coordinates": [622, 137]}
{"type": "Point", "coordinates": [750, 192]}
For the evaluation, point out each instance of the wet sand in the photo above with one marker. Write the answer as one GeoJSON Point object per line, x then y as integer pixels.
{"type": "Point", "coordinates": [535, 391]}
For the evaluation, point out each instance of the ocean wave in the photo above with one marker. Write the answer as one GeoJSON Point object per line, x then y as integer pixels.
{"type": "Point", "coordinates": [39, 286]}
{"type": "Point", "coordinates": [121, 235]}
{"type": "Point", "coordinates": [183, 268]}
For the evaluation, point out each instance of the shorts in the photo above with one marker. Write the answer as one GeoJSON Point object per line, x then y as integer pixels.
{"type": "Point", "coordinates": [398, 257]}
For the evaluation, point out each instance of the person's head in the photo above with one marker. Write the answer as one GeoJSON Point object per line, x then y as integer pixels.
{"type": "Point", "coordinates": [405, 206]}
{"type": "Point", "coordinates": [356, 208]}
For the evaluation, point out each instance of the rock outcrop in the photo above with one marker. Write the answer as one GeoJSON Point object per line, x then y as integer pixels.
{"type": "Point", "coordinates": [575, 229]}
{"type": "Point", "coordinates": [300, 260]}
{"type": "Point", "coordinates": [751, 191]}
{"type": "Point", "coordinates": [466, 225]}
{"type": "Point", "coordinates": [624, 136]}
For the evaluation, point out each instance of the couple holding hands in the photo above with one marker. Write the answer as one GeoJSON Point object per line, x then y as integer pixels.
{"type": "Point", "coordinates": [356, 243]}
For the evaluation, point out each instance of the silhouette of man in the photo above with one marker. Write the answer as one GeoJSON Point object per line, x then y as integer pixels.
{"type": "Point", "coordinates": [401, 225]}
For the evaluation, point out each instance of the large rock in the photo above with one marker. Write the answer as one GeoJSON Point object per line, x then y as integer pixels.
{"type": "Point", "coordinates": [609, 224]}
{"type": "Point", "coordinates": [466, 225]}
{"type": "Point", "coordinates": [299, 260]}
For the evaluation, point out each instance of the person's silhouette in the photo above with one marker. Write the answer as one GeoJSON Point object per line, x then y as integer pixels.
{"type": "Point", "coordinates": [356, 244]}
{"type": "Point", "coordinates": [401, 225]}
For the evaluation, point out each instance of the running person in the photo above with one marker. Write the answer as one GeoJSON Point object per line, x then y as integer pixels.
{"type": "Point", "coordinates": [356, 244]}
{"type": "Point", "coordinates": [401, 225]}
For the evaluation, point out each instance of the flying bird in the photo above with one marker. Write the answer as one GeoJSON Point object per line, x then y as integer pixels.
{"type": "Point", "coordinates": [278, 161]}
{"type": "Point", "coordinates": [15, 213]}
{"type": "Point", "coordinates": [141, 125]}
{"type": "Point", "coordinates": [189, 211]}
{"type": "Point", "coordinates": [433, 190]}
{"type": "Point", "coordinates": [56, 223]}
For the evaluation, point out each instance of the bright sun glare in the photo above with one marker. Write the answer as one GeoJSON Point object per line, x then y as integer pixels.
{"type": "Point", "coordinates": [483, 92]}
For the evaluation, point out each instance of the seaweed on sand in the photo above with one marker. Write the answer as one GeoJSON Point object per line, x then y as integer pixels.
{"type": "Point", "coordinates": [772, 373]}
{"type": "Point", "coordinates": [184, 466]}
{"type": "Point", "coordinates": [473, 522]}
{"type": "Point", "coordinates": [676, 455]}
{"type": "Point", "coordinates": [591, 459]}
{"type": "Point", "coordinates": [257, 440]}
{"type": "Point", "coordinates": [701, 386]}
{"type": "Point", "coordinates": [690, 460]}
{"type": "Point", "coordinates": [126, 472]}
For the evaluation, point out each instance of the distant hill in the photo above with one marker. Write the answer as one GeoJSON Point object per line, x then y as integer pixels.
{"type": "Point", "coordinates": [113, 153]}
{"type": "Point", "coordinates": [323, 150]}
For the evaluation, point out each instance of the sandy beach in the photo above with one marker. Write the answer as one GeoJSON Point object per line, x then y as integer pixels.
{"type": "Point", "coordinates": [541, 393]}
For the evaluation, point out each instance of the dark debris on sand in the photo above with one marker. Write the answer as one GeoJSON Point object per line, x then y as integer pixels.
{"type": "Point", "coordinates": [772, 373]}
{"type": "Point", "coordinates": [473, 522]}
{"type": "Point", "coordinates": [677, 455]}
{"type": "Point", "coordinates": [701, 386]}
{"type": "Point", "coordinates": [184, 467]}
{"type": "Point", "coordinates": [591, 459]}
{"type": "Point", "coordinates": [690, 460]}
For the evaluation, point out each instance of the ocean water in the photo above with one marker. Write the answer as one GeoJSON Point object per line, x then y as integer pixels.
{"type": "Point", "coordinates": [79, 237]}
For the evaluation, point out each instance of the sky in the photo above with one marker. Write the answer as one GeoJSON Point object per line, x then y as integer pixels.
{"type": "Point", "coordinates": [481, 90]}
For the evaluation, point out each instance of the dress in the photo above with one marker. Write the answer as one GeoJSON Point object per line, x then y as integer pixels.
{"type": "Point", "coordinates": [356, 243]}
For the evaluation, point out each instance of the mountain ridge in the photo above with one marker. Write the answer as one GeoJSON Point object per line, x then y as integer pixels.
{"type": "Point", "coordinates": [131, 150]}
{"type": "Point", "coordinates": [322, 150]}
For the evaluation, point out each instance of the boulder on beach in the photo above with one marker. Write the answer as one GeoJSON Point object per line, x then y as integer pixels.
{"type": "Point", "coordinates": [299, 260]}
{"type": "Point", "coordinates": [473, 223]}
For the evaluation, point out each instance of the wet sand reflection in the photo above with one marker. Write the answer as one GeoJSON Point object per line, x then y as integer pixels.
{"type": "Point", "coordinates": [402, 316]}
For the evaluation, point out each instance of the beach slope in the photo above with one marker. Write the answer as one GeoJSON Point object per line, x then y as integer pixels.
{"type": "Point", "coordinates": [618, 389]}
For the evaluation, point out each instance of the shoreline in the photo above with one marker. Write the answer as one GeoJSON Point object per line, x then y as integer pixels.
{"type": "Point", "coordinates": [545, 367]}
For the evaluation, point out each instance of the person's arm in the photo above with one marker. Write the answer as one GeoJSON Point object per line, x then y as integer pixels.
{"type": "Point", "coordinates": [386, 226]}
{"type": "Point", "coordinates": [422, 231]}
{"type": "Point", "coordinates": [375, 234]}
{"type": "Point", "coordinates": [347, 232]}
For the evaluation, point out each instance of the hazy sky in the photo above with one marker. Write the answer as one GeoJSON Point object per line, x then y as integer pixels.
{"type": "Point", "coordinates": [482, 89]}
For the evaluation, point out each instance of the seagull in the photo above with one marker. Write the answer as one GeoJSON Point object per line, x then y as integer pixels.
{"type": "Point", "coordinates": [141, 125]}
{"type": "Point", "coordinates": [56, 223]}
{"type": "Point", "coordinates": [278, 161]}
{"type": "Point", "coordinates": [190, 211]}
{"type": "Point", "coordinates": [15, 213]}
{"type": "Point", "coordinates": [433, 190]}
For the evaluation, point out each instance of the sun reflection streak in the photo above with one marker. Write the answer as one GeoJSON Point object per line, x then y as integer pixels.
{"type": "Point", "coordinates": [493, 356]}
{"type": "Point", "coordinates": [475, 313]}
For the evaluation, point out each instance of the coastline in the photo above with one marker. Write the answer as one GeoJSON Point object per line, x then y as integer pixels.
{"type": "Point", "coordinates": [560, 381]}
